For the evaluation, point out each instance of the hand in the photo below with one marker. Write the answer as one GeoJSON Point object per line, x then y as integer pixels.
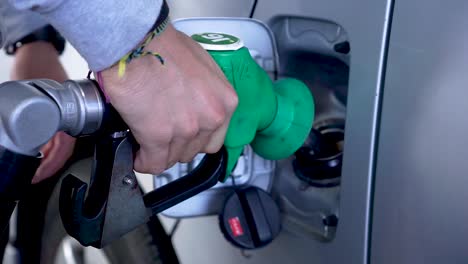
{"type": "Point", "coordinates": [56, 153]}
{"type": "Point", "coordinates": [175, 110]}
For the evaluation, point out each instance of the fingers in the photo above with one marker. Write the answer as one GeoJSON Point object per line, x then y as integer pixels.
{"type": "Point", "coordinates": [216, 140]}
{"type": "Point", "coordinates": [191, 149]}
{"type": "Point", "coordinates": [47, 147]}
{"type": "Point", "coordinates": [56, 153]}
{"type": "Point", "coordinates": [155, 159]}
{"type": "Point", "coordinates": [202, 131]}
{"type": "Point", "coordinates": [151, 159]}
{"type": "Point", "coordinates": [186, 137]}
{"type": "Point", "coordinates": [186, 144]}
{"type": "Point", "coordinates": [45, 166]}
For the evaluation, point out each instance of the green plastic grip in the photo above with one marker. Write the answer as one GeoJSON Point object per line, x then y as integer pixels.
{"type": "Point", "coordinates": [275, 118]}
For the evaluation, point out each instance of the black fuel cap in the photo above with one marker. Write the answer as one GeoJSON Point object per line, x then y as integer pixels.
{"type": "Point", "coordinates": [250, 218]}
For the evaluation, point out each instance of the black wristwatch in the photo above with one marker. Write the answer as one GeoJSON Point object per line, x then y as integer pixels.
{"type": "Point", "coordinates": [46, 33]}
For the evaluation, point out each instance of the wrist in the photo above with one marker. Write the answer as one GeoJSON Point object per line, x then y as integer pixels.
{"type": "Point", "coordinates": [159, 36]}
{"type": "Point", "coordinates": [140, 51]}
{"type": "Point", "coordinates": [160, 44]}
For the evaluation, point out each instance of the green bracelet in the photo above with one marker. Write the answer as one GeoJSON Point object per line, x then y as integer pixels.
{"type": "Point", "coordinates": [140, 52]}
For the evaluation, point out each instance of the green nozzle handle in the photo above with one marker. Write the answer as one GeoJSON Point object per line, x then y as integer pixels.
{"type": "Point", "coordinates": [275, 118]}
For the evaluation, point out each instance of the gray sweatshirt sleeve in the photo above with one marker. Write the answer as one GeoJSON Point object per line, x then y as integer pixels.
{"type": "Point", "coordinates": [102, 31]}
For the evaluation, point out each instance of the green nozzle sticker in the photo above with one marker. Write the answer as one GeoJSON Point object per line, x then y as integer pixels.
{"type": "Point", "coordinates": [218, 41]}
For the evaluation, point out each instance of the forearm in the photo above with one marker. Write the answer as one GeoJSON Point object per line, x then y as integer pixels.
{"type": "Point", "coordinates": [37, 60]}
{"type": "Point", "coordinates": [102, 31]}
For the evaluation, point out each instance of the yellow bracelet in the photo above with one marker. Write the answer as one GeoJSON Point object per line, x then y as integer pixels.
{"type": "Point", "coordinates": [140, 52]}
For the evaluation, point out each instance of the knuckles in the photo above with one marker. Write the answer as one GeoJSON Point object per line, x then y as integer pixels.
{"type": "Point", "coordinates": [189, 129]}
{"type": "Point", "coordinates": [161, 135]}
{"type": "Point", "coordinates": [216, 118]}
{"type": "Point", "coordinates": [216, 113]}
{"type": "Point", "coordinates": [232, 101]}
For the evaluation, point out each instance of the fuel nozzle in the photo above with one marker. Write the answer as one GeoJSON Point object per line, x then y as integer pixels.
{"type": "Point", "coordinates": [32, 111]}
{"type": "Point", "coordinates": [275, 118]}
